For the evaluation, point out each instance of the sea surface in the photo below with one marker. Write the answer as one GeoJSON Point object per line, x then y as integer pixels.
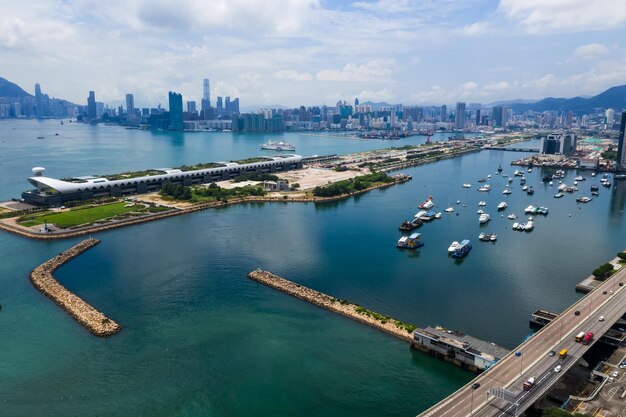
{"type": "Point", "coordinates": [201, 339]}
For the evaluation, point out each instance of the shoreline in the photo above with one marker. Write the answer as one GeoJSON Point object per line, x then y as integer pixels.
{"type": "Point", "coordinates": [41, 277]}
{"type": "Point", "coordinates": [27, 233]}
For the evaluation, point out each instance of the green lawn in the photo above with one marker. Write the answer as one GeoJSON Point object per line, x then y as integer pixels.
{"type": "Point", "coordinates": [80, 215]}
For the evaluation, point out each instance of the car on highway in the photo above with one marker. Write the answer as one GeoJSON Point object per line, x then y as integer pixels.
{"type": "Point", "coordinates": [558, 368]}
{"type": "Point", "coordinates": [475, 385]}
{"type": "Point", "coordinates": [577, 313]}
{"type": "Point", "coordinates": [551, 353]}
{"type": "Point", "coordinates": [601, 318]}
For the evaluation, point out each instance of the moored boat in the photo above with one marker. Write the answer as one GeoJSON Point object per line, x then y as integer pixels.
{"type": "Point", "coordinates": [502, 205]}
{"type": "Point", "coordinates": [484, 218]}
{"type": "Point", "coordinates": [462, 249]}
{"type": "Point", "coordinates": [278, 146]}
{"type": "Point", "coordinates": [426, 205]}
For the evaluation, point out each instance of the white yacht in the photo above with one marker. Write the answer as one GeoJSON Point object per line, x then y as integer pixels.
{"type": "Point", "coordinates": [453, 246]}
{"type": "Point", "coordinates": [449, 210]}
{"type": "Point", "coordinates": [506, 191]}
{"type": "Point", "coordinates": [529, 226]}
{"type": "Point", "coordinates": [484, 218]}
{"type": "Point", "coordinates": [467, 185]}
{"type": "Point", "coordinates": [511, 216]}
{"type": "Point", "coordinates": [485, 187]}
{"type": "Point", "coordinates": [502, 205]}
{"type": "Point", "coordinates": [482, 203]}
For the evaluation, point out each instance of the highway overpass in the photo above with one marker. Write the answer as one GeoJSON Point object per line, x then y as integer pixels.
{"type": "Point", "coordinates": [531, 358]}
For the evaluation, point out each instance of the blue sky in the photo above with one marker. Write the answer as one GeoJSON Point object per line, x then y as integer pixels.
{"type": "Point", "coordinates": [294, 52]}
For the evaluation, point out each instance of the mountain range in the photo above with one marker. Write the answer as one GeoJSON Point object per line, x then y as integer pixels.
{"type": "Point", "coordinates": [614, 97]}
{"type": "Point", "coordinates": [9, 89]}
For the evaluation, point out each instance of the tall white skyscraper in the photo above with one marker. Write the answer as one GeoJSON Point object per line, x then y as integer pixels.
{"type": "Point", "coordinates": [610, 117]}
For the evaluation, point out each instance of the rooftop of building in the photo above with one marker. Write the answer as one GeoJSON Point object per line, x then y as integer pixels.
{"type": "Point", "coordinates": [488, 350]}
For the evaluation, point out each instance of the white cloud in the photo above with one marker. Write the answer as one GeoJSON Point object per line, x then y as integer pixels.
{"type": "Point", "coordinates": [380, 95]}
{"type": "Point", "coordinates": [375, 70]}
{"type": "Point", "coordinates": [540, 16]}
{"type": "Point", "coordinates": [292, 75]}
{"type": "Point", "coordinates": [386, 6]}
{"type": "Point", "coordinates": [591, 51]}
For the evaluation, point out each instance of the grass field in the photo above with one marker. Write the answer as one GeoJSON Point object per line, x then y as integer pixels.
{"type": "Point", "coordinates": [79, 215]}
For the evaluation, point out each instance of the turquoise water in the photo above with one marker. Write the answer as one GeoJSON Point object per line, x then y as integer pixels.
{"type": "Point", "coordinates": [200, 339]}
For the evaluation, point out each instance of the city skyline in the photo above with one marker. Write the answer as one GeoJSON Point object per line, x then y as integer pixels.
{"type": "Point", "coordinates": [316, 52]}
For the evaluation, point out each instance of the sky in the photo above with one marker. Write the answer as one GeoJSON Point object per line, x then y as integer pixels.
{"type": "Point", "coordinates": [313, 52]}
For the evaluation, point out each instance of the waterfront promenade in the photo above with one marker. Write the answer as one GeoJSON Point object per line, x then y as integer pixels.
{"type": "Point", "coordinates": [41, 277]}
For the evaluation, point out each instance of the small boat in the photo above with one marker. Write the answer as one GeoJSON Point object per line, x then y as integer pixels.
{"type": "Point", "coordinates": [458, 201]}
{"type": "Point", "coordinates": [428, 216]}
{"type": "Point", "coordinates": [487, 237]}
{"type": "Point", "coordinates": [525, 188]}
{"type": "Point", "coordinates": [593, 174]}
{"type": "Point", "coordinates": [438, 215]}
{"type": "Point", "coordinates": [542, 210]}
{"type": "Point", "coordinates": [484, 218]}
{"type": "Point", "coordinates": [482, 203]}
{"type": "Point", "coordinates": [449, 210]}
{"type": "Point", "coordinates": [489, 176]}
{"type": "Point", "coordinates": [595, 193]}
{"type": "Point", "coordinates": [485, 188]}
{"type": "Point", "coordinates": [575, 182]}
{"type": "Point", "coordinates": [594, 188]}
{"type": "Point", "coordinates": [583, 199]}
{"type": "Point", "coordinates": [619, 176]}
{"type": "Point", "coordinates": [480, 211]}
{"type": "Point", "coordinates": [580, 178]}
{"type": "Point", "coordinates": [453, 246]}
{"type": "Point", "coordinates": [511, 216]}
{"type": "Point", "coordinates": [467, 185]}
{"type": "Point", "coordinates": [569, 189]}
{"type": "Point", "coordinates": [40, 137]}
{"type": "Point", "coordinates": [461, 249]}
{"type": "Point", "coordinates": [506, 191]}
{"type": "Point", "coordinates": [518, 173]}
{"type": "Point", "coordinates": [510, 180]}
{"type": "Point", "coordinates": [562, 187]}
{"type": "Point", "coordinates": [530, 190]}
{"type": "Point", "coordinates": [558, 195]}
{"type": "Point", "coordinates": [516, 226]}
{"type": "Point", "coordinates": [482, 180]}
{"type": "Point", "coordinates": [550, 183]}
{"type": "Point", "coordinates": [413, 241]}
{"type": "Point", "coordinates": [407, 226]}
{"type": "Point", "coordinates": [505, 175]}
{"type": "Point", "coordinates": [522, 181]}
{"type": "Point", "coordinates": [529, 226]}
{"type": "Point", "coordinates": [530, 170]}
{"type": "Point", "coordinates": [426, 205]}
{"type": "Point", "coordinates": [546, 178]}
{"type": "Point", "coordinates": [502, 205]}
{"type": "Point", "coordinates": [500, 168]}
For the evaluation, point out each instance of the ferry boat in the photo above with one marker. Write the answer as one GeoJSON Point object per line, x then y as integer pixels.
{"type": "Point", "coordinates": [484, 218]}
{"type": "Point", "coordinates": [462, 249]}
{"type": "Point", "coordinates": [583, 199]}
{"type": "Point", "coordinates": [426, 205]}
{"type": "Point", "coordinates": [413, 241]}
{"type": "Point", "coordinates": [502, 205]}
{"type": "Point", "coordinates": [278, 146]}
{"type": "Point", "coordinates": [485, 188]}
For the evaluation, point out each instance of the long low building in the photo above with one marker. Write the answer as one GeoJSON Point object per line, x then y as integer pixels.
{"type": "Point", "coordinates": [54, 192]}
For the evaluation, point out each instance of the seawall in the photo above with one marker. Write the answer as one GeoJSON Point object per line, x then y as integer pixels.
{"type": "Point", "coordinates": [41, 277]}
{"type": "Point", "coordinates": [343, 307]}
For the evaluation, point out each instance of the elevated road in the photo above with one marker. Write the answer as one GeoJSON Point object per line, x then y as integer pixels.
{"type": "Point", "coordinates": [533, 360]}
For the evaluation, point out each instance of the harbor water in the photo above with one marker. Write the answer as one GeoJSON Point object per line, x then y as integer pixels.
{"type": "Point", "coordinates": [201, 339]}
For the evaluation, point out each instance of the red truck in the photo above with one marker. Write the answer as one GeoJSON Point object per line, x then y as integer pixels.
{"type": "Point", "coordinates": [588, 337]}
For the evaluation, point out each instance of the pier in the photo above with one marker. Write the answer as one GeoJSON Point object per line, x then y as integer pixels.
{"type": "Point", "coordinates": [501, 148]}
{"type": "Point", "coordinates": [455, 347]}
{"type": "Point", "coordinates": [41, 277]}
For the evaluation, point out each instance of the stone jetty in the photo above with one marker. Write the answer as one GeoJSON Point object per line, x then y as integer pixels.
{"type": "Point", "coordinates": [41, 277]}
{"type": "Point", "coordinates": [378, 321]}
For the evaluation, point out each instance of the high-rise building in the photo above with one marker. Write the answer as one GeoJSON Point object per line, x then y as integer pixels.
{"type": "Point", "coordinates": [234, 106]}
{"type": "Point", "coordinates": [39, 101]}
{"type": "Point", "coordinates": [459, 120]}
{"type": "Point", "coordinates": [477, 117]}
{"type": "Point", "coordinates": [191, 107]}
{"type": "Point", "coordinates": [219, 104]}
{"type": "Point", "coordinates": [500, 115]}
{"type": "Point", "coordinates": [91, 105]}
{"type": "Point", "coordinates": [609, 117]}
{"type": "Point", "coordinates": [356, 102]}
{"type": "Point", "coordinates": [176, 110]}
{"type": "Point", "coordinates": [621, 149]}
{"type": "Point", "coordinates": [206, 91]}
{"type": "Point", "coordinates": [227, 105]}
{"type": "Point", "coordinates": [130, 104]}
{"type": "Point", "coordinates": [443, 113]}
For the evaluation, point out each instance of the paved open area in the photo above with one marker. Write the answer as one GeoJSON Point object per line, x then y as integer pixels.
{"type": "Point", "coordinates": [312, 177]}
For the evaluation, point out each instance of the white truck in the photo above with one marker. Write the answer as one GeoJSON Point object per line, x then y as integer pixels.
{"type": "Point", "coordinates": [528, 385]}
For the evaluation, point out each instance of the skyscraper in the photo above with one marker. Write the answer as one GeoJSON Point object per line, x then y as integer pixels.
{"type": "Point", "coordinates": [191, 107]}
{"type": "Point", "coordinates": [130, 104]}
{"type": "Point", "coordinates": [227, 105]}
{"type": "Point", "coordinates": [176, 110]}
{"type": "Point", "coordinates": [459, 120]}
{"type": "Point", "coordinates": [621, 149]}
{"type": "Point", "coordinates": [219, 104]}
{"type": "Point", "coordinates": [499, 115]}
{"type": "Point", "coordinates": [234, 106]}
{"type": "Point", "coordinates": [609, 116]}
{"type": "Point", "coordinates": [443, 113]}
{"type": "Point", "coordinates": [91, 105]}
{"type": "Point", "coordinates": [39, 101]}
{"type": "Point", "coordinates": [206, 93]}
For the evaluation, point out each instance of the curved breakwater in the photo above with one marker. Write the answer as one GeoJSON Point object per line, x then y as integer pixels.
{"type": "Point", "coordinates": [41, 277]}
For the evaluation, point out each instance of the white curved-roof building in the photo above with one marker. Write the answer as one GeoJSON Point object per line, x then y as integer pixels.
{"type": "Point", "coordinates": [54, 192]}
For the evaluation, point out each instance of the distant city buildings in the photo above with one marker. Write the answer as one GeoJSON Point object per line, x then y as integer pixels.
{"type": "Point", "coordinates": [130, 105]}
{"type": "Point", "coordinates": [176, 111]}
{"type": "Point", "coordinates": [621, 149]}
{"type": "Point", "coordinates": [91, 106]}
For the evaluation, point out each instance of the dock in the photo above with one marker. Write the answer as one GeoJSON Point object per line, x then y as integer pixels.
{"type": "Point", "coordinates": [512, 149]}
{"type": "Point", "coordinates": [41, 277]}
{"type": "Point", "coordinates": [454, 347]}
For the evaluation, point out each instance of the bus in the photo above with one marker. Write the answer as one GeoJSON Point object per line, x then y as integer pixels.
{"type": "Point", "coordinates": [579, 337]}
